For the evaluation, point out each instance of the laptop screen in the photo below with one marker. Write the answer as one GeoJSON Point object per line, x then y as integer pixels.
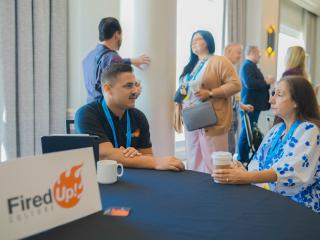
{"type": "Point", "coordinates": [57, 143]}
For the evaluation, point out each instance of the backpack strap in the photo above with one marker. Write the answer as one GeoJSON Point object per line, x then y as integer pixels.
{"type": "Point", "coordinates": [97, 63]}
{"type": "Point", "coordinates": [101, 54]}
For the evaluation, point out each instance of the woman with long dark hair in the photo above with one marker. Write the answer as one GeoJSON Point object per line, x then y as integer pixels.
{"type": "Point", "coordinates": [212, 78]}
{"type": "Point", "coordinates": [287, 161]}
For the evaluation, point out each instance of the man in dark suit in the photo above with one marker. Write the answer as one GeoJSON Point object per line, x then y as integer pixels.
{"type": "Point", "coordinates": [255, 91]}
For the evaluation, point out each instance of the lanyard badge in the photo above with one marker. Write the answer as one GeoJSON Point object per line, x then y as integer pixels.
{"type": "Point", "coordinates": [276, 145]}
{"type": "Point", "coordinates": [193, 75]}
{"type": "Point", "coordinates": [111, 124]}
{"type": "Point", "coordinates": [184, 87]}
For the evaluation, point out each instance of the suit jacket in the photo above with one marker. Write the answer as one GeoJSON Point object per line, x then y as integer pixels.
{"type": "Point", "coordinates": [255, 90]}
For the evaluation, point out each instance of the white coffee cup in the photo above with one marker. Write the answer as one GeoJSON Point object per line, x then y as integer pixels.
{"type": "Point", "coordinates": [107, 171]}
{"type": "Point", "coordinates": [221, 160]}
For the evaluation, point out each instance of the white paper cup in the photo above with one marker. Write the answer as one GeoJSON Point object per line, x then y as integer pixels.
{"type": "Point", "coordinates": [221, 160]}
{"type": "Point", "coordinates": [107, 171]}
{"type": "Point", "coordinates": [144, 66]}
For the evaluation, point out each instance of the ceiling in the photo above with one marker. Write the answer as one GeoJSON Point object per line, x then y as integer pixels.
{"type": "Point", "coordinates": [311, 5]}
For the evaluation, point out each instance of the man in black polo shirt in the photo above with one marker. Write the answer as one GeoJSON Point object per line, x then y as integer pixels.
{"type": "Point", "coordinates": [123, 129]}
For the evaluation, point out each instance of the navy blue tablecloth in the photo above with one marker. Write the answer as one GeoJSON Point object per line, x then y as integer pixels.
{"type": "Point", "coordinates": [189, 205]}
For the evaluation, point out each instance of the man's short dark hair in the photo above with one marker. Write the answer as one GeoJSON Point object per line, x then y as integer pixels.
{"type": "Point", "coordinates": [107, 27]}
{"type": "Point", "coordinates": [113, 71]}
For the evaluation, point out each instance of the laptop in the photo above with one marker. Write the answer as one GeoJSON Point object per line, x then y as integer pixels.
{"type": "Point", "coordinates": [57, 143]}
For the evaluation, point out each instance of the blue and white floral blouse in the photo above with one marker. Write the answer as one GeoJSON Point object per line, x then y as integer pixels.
{"type": "Point", "coordinates": [296, 162]}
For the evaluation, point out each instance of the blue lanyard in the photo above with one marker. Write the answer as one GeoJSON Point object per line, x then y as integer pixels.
{"type": "Point", "coordinates": [110, 121]}
{"type": "Point", "coordinates": [276, 145]}
{"type": "Point", "coordinates": [190, 77]}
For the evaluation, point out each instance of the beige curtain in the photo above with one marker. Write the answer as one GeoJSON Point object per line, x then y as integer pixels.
{"type": "Point", "coordinates": [33, 73]}
{"type": "Point", "coordinates": [235, 21]}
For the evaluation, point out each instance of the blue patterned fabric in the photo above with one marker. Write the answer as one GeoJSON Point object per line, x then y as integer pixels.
{"type": "Point", "coordinates": [296, 163]}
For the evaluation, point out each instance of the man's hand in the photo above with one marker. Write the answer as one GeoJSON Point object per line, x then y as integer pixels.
{"type": "Point", "coordinates": [143, 59]}
{"type": "Point", "coordinates": [130, 152]}
{"type": "Point", "coordinates": [270, 80]}
{"type": "Point", "coordinates": [247, 107]}
{"type": "Point", "coordinates": [168, 163]}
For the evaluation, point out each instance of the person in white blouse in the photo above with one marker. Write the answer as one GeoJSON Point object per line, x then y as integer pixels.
{"type": "Point", "coordinates": [288, 159]}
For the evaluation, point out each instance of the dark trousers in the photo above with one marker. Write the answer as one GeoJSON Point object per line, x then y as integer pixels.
{"type": "Point", "coordinates": [243, 146]}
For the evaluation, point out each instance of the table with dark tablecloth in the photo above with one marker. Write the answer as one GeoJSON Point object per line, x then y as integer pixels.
{"type": "Point", "coordinates": [189, 205]}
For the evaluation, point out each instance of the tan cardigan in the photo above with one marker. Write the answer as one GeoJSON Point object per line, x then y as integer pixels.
{"type": "Point", "coordinates": [220, 73]}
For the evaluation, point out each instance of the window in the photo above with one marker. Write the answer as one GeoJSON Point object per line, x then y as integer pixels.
{"type": "Point", "coordinates": [288, 37]}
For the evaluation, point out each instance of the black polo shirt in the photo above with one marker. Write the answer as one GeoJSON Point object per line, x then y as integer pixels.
{"type": "Point", "coordinates": [91, 119]}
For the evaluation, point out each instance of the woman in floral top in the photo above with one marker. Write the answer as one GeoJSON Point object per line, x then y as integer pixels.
{"type": "Point", "coordinates": [288, 159]}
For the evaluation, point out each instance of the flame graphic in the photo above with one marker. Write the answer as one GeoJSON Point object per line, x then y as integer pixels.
{"type": "Point", "coordinates": [136, 133]}
{"type": "Point", "coordinates": [67, 189]}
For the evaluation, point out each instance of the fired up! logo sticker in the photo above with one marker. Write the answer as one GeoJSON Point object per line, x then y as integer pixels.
{"type": "Point", "coordinates": [67, 190]}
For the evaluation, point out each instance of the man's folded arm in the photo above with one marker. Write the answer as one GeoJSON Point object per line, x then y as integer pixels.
{"type": "Point", "coordinates": [146, 160]}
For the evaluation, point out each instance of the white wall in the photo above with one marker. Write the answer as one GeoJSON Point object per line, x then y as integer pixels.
{"type": "Point", "coordinates": [253, 22]}
{"type": "Point", "coordinates": [83, 35]}
{"type": "Point", "coordinates": [260, 15]}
